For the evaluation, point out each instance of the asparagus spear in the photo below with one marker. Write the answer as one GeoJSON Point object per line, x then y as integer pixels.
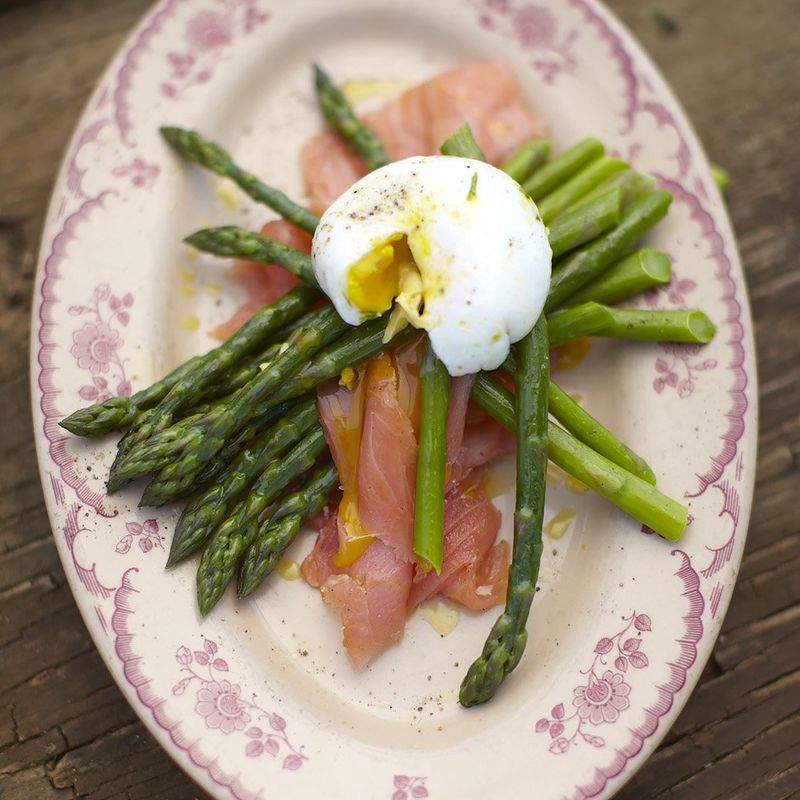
{"type": "Point", "coordinates": [200, 442]}
{"type": "Point", "coordinates": [506, 642]}
{"type": "Point", "coordinates": [277, 532]}
{"type": "Point", "coordinates": [632, 185]}
{"type": "Point", "coordinates": [593, 319]}
{"type": "Point", "coordinates": [431, 460]}
{"type": "Point", "coordinates": [626, 491]}
{"type": "Point", "coordinates": [528, 158]}
{"type": "Point", "coordinates": [207, 370]}
{"type": "Point", "coordinates": [159, 492]}
{"type": "Point", "coordinates": [221, 557]}
{"type": "Point", "coordinates": [579, 186]}
{"type": "Point", "coordinates": [462, 143]}
{"type": "Point", "coordinates": [588, 430]}
{"type": "Point", "coordinates": [204, 512]}
{"type": "Point", "coordinates": [645, 269]}
{"type": "Point", "coordinates": [341, 117]}
{"type": "Point", "coordinates": [562, 167]}
{"type": "Point", "coordinates": [577, 226]}
{"type": "Point", "coordinates": [211, 156]}
{"type": "Point", "coordinates": [235, 242]}
{"type": "Point", "coordinates": [594, 258]}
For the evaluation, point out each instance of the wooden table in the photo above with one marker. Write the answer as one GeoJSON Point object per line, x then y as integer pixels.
{"type": "Point", "coordinates": [66, 731]}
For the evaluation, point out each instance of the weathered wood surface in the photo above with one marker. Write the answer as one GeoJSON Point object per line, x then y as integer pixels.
{"type": "Point", "coordinates": [66, 731]}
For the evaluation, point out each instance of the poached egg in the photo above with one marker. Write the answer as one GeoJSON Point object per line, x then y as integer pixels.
{"type": "Point", "coordinates": [452, 245]}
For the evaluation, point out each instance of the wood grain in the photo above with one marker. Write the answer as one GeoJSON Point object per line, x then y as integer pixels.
{"type": "Point", "coordinates": [66, 731]}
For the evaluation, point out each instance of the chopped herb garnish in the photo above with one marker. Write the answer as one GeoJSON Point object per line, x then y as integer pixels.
{"type": "Point", "coordinates": [473, 187]}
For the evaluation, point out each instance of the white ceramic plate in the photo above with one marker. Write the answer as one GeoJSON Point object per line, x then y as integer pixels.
{"type": "Point", "coordinates": [259, 700]}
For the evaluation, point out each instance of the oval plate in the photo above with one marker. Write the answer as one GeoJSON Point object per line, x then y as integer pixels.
{"type": "Point", "coordinates": [259, 699]}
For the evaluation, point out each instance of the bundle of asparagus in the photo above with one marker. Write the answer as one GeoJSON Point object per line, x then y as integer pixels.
{"type": "Point", "coordinates": [237, 427]}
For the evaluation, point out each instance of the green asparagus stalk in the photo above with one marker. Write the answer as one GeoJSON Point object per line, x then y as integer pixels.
{"type": "Point", "coordinates": [506, 642]}
{"type": "Point", "coordinates": [277, 532]}
{"type": "Point", "coordinates": [588, 430]}
{"type": "Point", "coordinates": [562, 167]}
{"type": "Point", "coordinates": [164, 489]}
{"type": "Point", "coordinates": [578, 226]}
{"type": "Point", "coordinates": [159, 492]}
{"type": "Point", "coordinates": [431, 460]}
{"type": "Point", "coordinates": [528, 158]}
{"type": "Point", "coordinates": [581, 424]}
{"type": "Point", "coordinates": [341, 117]}
{"type": "Point", "coordinates": [594, 258]}
{"type": "Point", "coordinates": [633, 495]}
{"type": "Point", "coordinates": [197, 148]}
{"type": "Point", "coordinates": [462, 143]}
{"type": "Point", "coordinates": [222, 555]}
{"type": "Point", "coordinates": [230, 241]}
{"type": "Point", "coordinates": [201, 442]}
{"type": "Point", "coordinates": [645, 269]}
{"type": "Point", "coordinates": [208, 370]}
{"type": "Point", "coordinates": [632, 185]}
{"type": "Point", "coordinates": [241, 374]}
{"type": "Point", "coordinates": [579, 186]}
{"type": "Point", "coordinates": [206, 511]}
{"type": "Point", "coordinates": [593, 319]}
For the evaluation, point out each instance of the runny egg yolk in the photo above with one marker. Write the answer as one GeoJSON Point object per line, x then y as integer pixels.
{"type": "Point", "coordinates": [386, 274]}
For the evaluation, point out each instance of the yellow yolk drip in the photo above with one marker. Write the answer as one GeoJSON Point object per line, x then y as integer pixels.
{"type": "Point", "coordinates": [355, 540]}
{"type": "Point", "coordinates": [569, 355]}
{"type": "Point", "coordinates": [560, 522]}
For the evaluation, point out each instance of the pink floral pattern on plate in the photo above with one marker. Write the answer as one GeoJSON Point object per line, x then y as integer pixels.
{"type": "Point", "coordinates": [536, 28]}
{"type": "Point", "coordinates": [208, 35]}
{"type": "Point", "coordinates": [407, 786]}
{"type": "Point", "coordinates": [679, 371]}
{"type": "Point", "coordinates": [96, 344]}
{"type": "Point", "coordinates": [220, 703]}
{"type": "Point", "coordinates": [604, 695]}
{"type": "Point", "coordinates": [141, 174]}
{"type": "Point", "coordinates": [145, 534]}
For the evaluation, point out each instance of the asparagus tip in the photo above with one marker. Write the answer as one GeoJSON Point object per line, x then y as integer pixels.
{"type": "Point", "coordinates": [175, 557]}
{"type": "Point", "coordinates": [114, 483]}
{"type": "Point", "coordinates": [73, 424]}
{"type": "Point", "coordinates": [244, 588]}
{"type": "Point", "coordinates": [170, 133]}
